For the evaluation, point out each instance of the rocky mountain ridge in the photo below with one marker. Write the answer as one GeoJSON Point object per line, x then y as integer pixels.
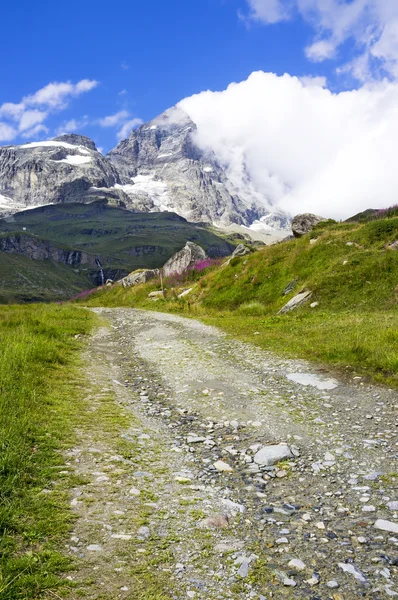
{"type": "Point", "coordinates": [159, 167]}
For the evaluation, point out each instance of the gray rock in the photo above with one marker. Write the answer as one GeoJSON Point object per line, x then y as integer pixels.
{"type": "Point", "coordinates": [195, 439]}
{"type": "Point", "coordinates": [332, 584]}
{"type": "Point", "coordinates": [297, 564]}
{"type": "Point", "coordinates": [393, 505]}
{"type": "Point", "coordinates": [353, 570]}
{"type": "Point", "coordinates": [386, 525]}
{"type": "Point", "coordinates": [243, 570]}
{"type": "Point", "coordinates": [241, 250]}
{"type": "Point", "coordinates": [162, 168]}
{"type": "Point", "coordinates": [37, 249]}
{"type": "Point", "coordinates": [139, 276]}
{"type": "Point", "coordinates": [183, 259]}
{"type": "Point", "coordinates": [304, 223]}
{"type": "Point", "coordinates": [295, 302]}
{"type": "Point", "coordinates": [66, 169]}
{"type": "Point", "coordinates": [270, 455]}
{"type": "Point", "coordinates": [144, 532]}
{"type": "Point", "coordinates": [290, 287]}
{"type": "Point", "coordinates": [222, 466]}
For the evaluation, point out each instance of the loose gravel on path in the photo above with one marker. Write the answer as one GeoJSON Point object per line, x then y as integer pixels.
{"type": "Point", "coordinates": [193, 509]}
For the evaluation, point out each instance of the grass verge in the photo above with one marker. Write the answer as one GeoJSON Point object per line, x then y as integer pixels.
{"type": "Point", "coordinates": [39, 397]}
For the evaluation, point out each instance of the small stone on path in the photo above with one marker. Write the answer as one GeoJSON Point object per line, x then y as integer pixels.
{"type": "Point", "coordinates": [222, 466]}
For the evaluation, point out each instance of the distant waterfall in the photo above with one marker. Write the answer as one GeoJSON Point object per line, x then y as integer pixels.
{"type": "Point", "coordinates": [101, 270]}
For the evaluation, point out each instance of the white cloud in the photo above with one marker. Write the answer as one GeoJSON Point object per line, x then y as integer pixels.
{"type": "Point", "coordinates": [28, 114]}
{"type": "Point", "coordinates": [371, 24]}
{"type": "Point", "coordinates": [269, 11]}
{"type": "Point", "coordinates": [7, 133]}
{"type": "Point", "coordinates": [11, 110]}
{"type": "Point", "coordinates": [127, 128]}
{"type": "Point", "coordinates": [30, 118]}
{"type": "Point", "coordinates": [58, 94]}
{"type": "Point", "coordinates": [35, 132]}
{"type": "Point", "coordinates": [305, 148]}
{"type": "Point", "coordinates": [73, 125]}
{"type": "Point", "coordinates": [114, 120]}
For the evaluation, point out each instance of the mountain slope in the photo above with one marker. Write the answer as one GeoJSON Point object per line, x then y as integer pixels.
{"type": "Point", "coordinates": [66, 169]}
{"type": "Point", "coordinates": [93, 240]}
{"type": "Point", "coordinates": [159, 167]}
{"type": "Point", "coordinates": [163, 169]}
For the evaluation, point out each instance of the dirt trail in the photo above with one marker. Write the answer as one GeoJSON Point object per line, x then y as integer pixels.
{"type": "Point", "coordinates": [171, 397]}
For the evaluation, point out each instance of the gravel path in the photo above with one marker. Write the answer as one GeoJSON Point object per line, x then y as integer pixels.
{"type": "Point", "coordinates": [320, 524]}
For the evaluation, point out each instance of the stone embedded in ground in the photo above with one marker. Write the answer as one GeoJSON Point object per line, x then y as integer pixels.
{"type": "Point", "coordinates": [195, 439]}
{"type": "Point", "coordinates": [241, 250]}
{"type": "Point", "coordinates": [353, 570]}
{"type": "Point", "coordinates": [216, 521]}
{"type": "Point", "coordinates": [332, 584]}
{"type": "Point", "coordinates": [297, 564]}
{"type": "Point", "coordinates": [144, 532]}
{"type": "Point", "coordinates": [314, 580]}
{"type": "Point", "coordinates": [185, 293]}
{"type": "Point", "coordinates": [243, 570]}
{"type": "Point", "coordinates": [386, 526]}
{"type": "Point", "coordinates": [393, 505]}
{"type": "Point", "coordinates": [296, 301]}
{"type": "Point", "coordinates": [94, 548]}
{"type": "Point", "coordinates": [368, 508]}
{"type": "Point", "coordinates": [270, 455]}
{"type": "Point", "coordinates": [222, 466]}
{"type": "Point", "coordinates": [233, 506]}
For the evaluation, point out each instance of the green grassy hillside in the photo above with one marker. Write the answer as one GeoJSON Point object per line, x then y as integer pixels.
{"type": "Point", "coordinates": [25, 280]}
{"type": "Point", "coordinates": [123, 241]}
{"type": "Point", "coordinates": [353, 276]}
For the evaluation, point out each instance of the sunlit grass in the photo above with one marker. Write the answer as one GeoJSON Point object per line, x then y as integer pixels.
{"type": "Point", "coordinates": [38, 395]}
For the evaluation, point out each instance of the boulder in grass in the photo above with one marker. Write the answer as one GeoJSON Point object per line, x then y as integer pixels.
{"type": "Point", "coordinates": [184, 259]}
{"type": "Point", "coordinates": [302, 224]}
{"type": "Point", "coordinates": [139, 276]}
{"type": "Point", "coordinates": [296, 301]}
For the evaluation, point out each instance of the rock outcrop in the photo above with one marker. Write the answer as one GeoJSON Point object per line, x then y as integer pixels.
{"type": "Point", "coordinates": [37, 249]}
{"type": "Point", "coordinates": [139, 276]}
{"type": "Point", "coordinates": [185, 258]}
{"type": "Point", "coordinates": [302, 224]}
{"type": "Point", "coordinates": [162, 168]}
{"type": "Point", "coordinates": [66, 169]}
{"type": "Point", "coordinates": [159, 167]}
{"type": "Point", "coordinates": [296, 301]}
{"type": "Point", "coordinates": [241, 250]}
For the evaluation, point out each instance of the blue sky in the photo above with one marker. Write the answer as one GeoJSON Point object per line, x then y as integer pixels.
{"type": "Point", "coordinates": [143, 57]}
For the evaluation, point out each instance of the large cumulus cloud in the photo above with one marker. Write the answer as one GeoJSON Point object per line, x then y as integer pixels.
{"type": "Point", "coordinates": [305, 148]}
